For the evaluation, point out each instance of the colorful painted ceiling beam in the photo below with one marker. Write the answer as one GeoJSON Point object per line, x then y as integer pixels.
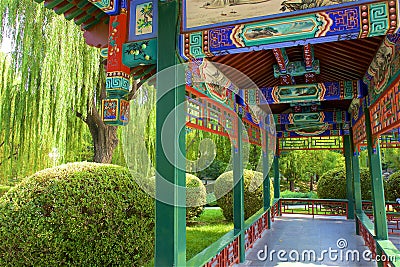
{"type": "Point", "coordinates": [355, 20]}
{"type": "Point", "coordinates": [296, 68]}
{"type": "Point", "coordinates": [385, 112]}
{"type": "Point", "coordinates": [307, 132]}
{"type": "Point", "coordinates": [316, 117]}
{"type": "Point", "coordinates": [110, 7]}
{"type": "Point", "coordinates": [308, 92]}
{"type": "Point", "coordinates": [384, 68]}
{"type": "Point", "coordinates": [310, 143]}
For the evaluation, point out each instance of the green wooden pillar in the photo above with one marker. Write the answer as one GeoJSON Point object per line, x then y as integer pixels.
{"type": "Point", "coordinates": [170, 232]}
{"type": "Point", "coordinates": [356, 181]}
{"type": "Point", "coordinates": [277, 182]}
{"type": "Point", "coordinates": [348, 155]}
{"type": "Point", "coordinates": [266, 181]}
{"type": "Point", "coordinates": [238, 191]}
{"type": "Point", "coordinates": [375, 168]}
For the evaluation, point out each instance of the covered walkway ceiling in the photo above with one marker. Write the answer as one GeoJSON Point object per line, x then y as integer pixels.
{"type": "Point", "coordinates": [339, 61]}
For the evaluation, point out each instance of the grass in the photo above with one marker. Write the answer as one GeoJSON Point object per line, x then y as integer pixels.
{"type": "Point", "coordinates": [205, 230]}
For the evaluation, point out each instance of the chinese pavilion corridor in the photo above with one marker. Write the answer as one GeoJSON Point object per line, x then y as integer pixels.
{"type": "Point", "coordinates": [286, 76]}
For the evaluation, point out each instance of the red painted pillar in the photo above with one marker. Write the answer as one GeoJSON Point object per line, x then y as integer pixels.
{"type": "Point", "coordinates": [115, 109]}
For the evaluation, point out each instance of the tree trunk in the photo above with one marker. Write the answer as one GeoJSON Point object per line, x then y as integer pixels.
{"type": "Point", "coordinates": [291, 185]}
{"type": "Point", "coordinates": [104, 137]}
{"type": "Point", "coordinates": [311, 183]}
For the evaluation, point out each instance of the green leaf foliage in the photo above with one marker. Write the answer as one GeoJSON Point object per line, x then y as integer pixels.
{"type": "Point", "coordinates": [4, 189]}
{"type": "Point", "coordinates": [392, 187]}
{"type": "Point", "coordinates": [332, 185]}
{"type": "Point", "coordinates": [78, 214]}
{"type": "Point", "coordinates": [253, 193]}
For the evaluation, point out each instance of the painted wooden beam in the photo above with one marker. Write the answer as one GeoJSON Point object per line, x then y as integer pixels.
{"type": "Point", "coordinates": [315, 117]}
{"type": "Point", "coordinates": [311, 92]}
{"type": "Point", "coordinates": [329, 24]}
{"type": "Point", "coordinates": [317, 129]}
{"type": "Point", "coordinates": [110, 7]}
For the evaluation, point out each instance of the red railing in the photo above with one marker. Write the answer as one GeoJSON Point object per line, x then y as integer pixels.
{"type": "Point", "coordinates": [229, 256]}
{"type": "Point", "coordinates": [392, 216]}
{"type": "Point", "coordinates": [255, 231]}
{"type": "Point", "coordinates": [368, 238]}
{"type": "Point", "coordinates": [275, 210]}
{"type": "Point", "coordinates": [314, 207]}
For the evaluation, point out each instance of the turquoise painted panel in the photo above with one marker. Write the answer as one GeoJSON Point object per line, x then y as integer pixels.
{"type": "Point", "coordinates": [140, 53]}
{"type": "Point", "coordinates": [297, 68]}
{"type": "Point", "coordinates": [281, 30]}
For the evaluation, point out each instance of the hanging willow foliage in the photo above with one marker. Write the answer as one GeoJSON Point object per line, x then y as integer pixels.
{"type": "Point", "coordinates": [49, 75]}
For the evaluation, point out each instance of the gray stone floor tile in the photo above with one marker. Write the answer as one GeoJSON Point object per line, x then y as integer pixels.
{"type": "Point", "coordinates": [301, 236]}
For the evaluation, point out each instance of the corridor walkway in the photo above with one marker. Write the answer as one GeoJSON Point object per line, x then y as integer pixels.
{"type": "Point", "coordinates": [305, 241]}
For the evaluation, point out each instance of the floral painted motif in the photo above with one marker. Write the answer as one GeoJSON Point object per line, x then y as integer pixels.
{"type": "Point", "coordinates": [144, 18]}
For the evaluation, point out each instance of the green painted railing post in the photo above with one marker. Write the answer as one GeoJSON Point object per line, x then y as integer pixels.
{"type": "Point", "coordinates": [238, 190]}
{"type": "Point", "coordinates": [356, 181]}
{"type": "Point", "coordinates": [277, 182]}
{"type": "Point", "coordinates": [378, 196]}
{"type": "Point", "coordinates": [349, 176]}
{"type": "Point", "coordinates": [170, 229]}
{"type": "Point", "coordinates": [266, 181]}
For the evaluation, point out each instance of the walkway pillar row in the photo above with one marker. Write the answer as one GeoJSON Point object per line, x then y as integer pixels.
{"type": "Point", "coordinates": [375, 167]}
{"type": "Point", "coordinates": [348, 155]}
{"type": "Point", "coordinates": [238, 190]}
{"type": "Point", "coordinates": [266, 181]}
{"type": "Point", "coordinates": [170, 238]}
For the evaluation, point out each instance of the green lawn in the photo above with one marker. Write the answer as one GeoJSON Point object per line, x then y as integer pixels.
{"type": "Point", "coordinates": [205, 230]}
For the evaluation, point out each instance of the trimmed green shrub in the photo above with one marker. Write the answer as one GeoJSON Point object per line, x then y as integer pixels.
{"type": "Point", "coordinates": [253, 195]}
{"type": "Point", "coordinates": [4, 189]}
{"type": "Point", "coordinates": [196, 195]}
{"type": "Point", "coordinates": [78, 214]}
{"type": "Point", "coordinates": [392, 187]}
{"type": "Point", "coordinates": [332, 185]}
{"type": "Point", "coordinates": [290, 194]}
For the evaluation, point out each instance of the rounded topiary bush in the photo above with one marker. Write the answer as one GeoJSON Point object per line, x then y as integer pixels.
{"type": "Point", "coordinates": [78, 214]}
{"type": "Point", "coordinates": [332, 185]}
{"type": "Point", "coordinates": [253, 193]}
{"type": "Point", "coordinates": [196, 194]}
{"type": "Point", "coordinates": [392, 185]}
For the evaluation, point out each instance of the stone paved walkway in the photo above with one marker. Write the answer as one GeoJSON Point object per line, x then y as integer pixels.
{"type": "Point", "coordinates": [299, 237]}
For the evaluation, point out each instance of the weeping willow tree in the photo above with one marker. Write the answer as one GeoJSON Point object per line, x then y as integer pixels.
{"type": "Point", "coordinates": [50, 87]}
